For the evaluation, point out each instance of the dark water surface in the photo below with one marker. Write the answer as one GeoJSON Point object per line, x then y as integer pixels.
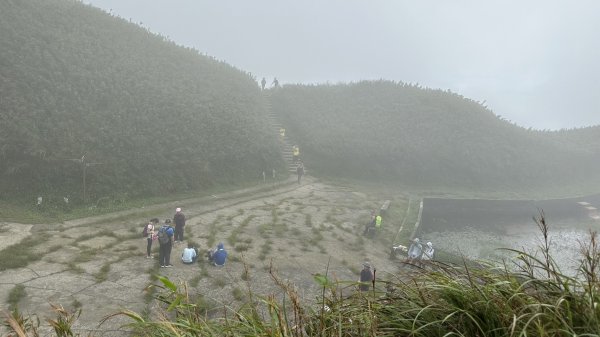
{"type": "Point", "coordinates": [477, 228]}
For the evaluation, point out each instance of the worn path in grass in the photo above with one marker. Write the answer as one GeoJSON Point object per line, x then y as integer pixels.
{"type": "Point", "coordinates": [98, 263]}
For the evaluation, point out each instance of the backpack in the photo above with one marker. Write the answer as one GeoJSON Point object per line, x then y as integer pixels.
{"type": "Point", "coordinates": [163, 237]}
{"type": "Point", "coordinates": [145, 231]}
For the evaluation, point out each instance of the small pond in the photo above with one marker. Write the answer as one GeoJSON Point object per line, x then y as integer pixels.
{"type": "Point", "coordinates": [478, 228]}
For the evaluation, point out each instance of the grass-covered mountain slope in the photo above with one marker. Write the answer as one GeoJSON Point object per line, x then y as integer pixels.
{"type": "Point", "coordinates": [417, 136]}
{"type": "Point", "coordinates": [158, 118]}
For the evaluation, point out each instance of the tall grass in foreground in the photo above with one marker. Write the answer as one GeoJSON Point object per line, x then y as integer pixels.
{"type": "Point", "coordinates": [528, 296]}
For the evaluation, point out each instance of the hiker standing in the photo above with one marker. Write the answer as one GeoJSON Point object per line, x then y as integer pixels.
{"type": "Point", "coordinates": [366, 277]}
{"type": "Point", "coordinates": [295, 153]}
{"type": "Point", "coordinates": [263, 83]}
{"type": "Point", "coordinates": [300, 171]}
{"type": "Point", "coordinates": [179, 219]}
{"type": "Point", "coordinates": [150, 228]}
{"type": "Point", "coordinates": [165, 240]}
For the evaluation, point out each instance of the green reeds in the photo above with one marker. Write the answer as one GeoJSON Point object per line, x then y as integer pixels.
{"type": "Point", "coordinates": [527, 296]}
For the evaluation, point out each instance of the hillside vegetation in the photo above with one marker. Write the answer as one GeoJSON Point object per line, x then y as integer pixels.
{"type": "Point", "coordinates": [426, 137]}
{"type": "Point", "coordinates": [156, 117]}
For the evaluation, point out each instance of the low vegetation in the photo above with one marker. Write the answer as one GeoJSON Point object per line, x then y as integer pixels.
{"type": "Point", "coordinates": [528, 296]}
{"type": "Point", "coordinates": [427, 138]}
{"type": "Point", "coordinates": [133, 113]}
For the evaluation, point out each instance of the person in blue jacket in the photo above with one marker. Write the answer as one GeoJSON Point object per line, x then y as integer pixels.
{"type": "Point", "coordinates": [218, 256]}
{"type": "Point", "coordinates": [165, 240]}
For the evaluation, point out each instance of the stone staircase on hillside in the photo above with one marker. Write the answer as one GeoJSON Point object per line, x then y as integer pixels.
{"type": "Point", "coordinates": [285, 144]}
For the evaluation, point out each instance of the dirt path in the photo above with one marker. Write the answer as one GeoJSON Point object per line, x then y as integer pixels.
{"type": "Point", "coordinates": [98, 263]}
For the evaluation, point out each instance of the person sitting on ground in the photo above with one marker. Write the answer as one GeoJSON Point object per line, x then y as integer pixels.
{"type": "Point", "coordinates": [217, 256]}
{"type": "Point", "coordinates": [415, 251]}
{"type": "Point", "coordinates": [370, 226]}
{"type": "Point", "coordinates": [398, 250]}
{"type": "Point", "coordinates": [189, 255]}
{"type": "Point", "coordinates": [428, 252]}
{"type": "Point", "coordinates": [366, 277]}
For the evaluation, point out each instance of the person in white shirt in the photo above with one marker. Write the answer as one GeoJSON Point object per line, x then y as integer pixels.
{"type": "Point", "coordinates": [428, 252]}
{"type": "Point", "coordinates": [189, 255]}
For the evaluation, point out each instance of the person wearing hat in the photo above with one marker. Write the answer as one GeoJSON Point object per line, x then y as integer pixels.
{"type": "Point", "coordinates": [218, 256]}
{"type": "Point", "coordinates": [428, 252]}
{"type": "Point", "coordinates": [415, 251]}
{"type": "Point", "coordinates": [366, 277]}
{"type": "Point", "coordinates": [179, 220]}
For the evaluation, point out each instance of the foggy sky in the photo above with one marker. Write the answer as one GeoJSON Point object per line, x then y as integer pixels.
{"type": "Point", "coordinates": [536, 63]}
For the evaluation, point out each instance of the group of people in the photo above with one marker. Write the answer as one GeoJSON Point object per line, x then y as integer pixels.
{"type": "Point", "coordinates": [416, 252]}
{"type": "Point", "coordinates": [374, 224]}
{"type": "Point", "coordinates": [167, 236]}
{"type": "Point", "coordinates": [274, 84]}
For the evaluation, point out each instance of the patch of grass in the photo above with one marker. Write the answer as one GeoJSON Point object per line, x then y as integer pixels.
{"type": "Point", "coordinates": [102, 274]}
{"type": "Point", "coordinates": [265, 230]}
{"type": "Point", "coordinates": [54, 248]}
{"type": "Point", "coordinates": [75, 268]}
{"type": "Point", "coordinates": [16, 294]}
{"type": "Point", "coordinates": [316, 237]}
{"type": "Point", "coordinates": [85, 237]}
{"type": "Point", "coordinates": [86, 255]}
{"type": "Point", "coordinates": [238, 294]}
{"type": "Point", "coordinates": [76, 304]}
{"type": "Point", "coordinates": [280, 229]}
{"type": "Point", "coordinates": [241, 247]}
{"type": "Point", "coordinates": [128, 248]}
{"type": "Point", "coordinates": [194, 281]}
{"type": "Point", "coordinates": [234, 258]}
{"type": "Point", "coordinates": [203, 271]}
{"type": "Point", "coordinates": [245, 273]}
{"type": "Point", "coordinates": [265, 249]}
{"type": "Point", "coordinates": [213, 229]}
{"type": "Point", "coordinates": [308, 220]}
{"type": "Point", "coordinates": [21, 254]}
{"type": "Point", "coordinates": [204, 305]}
{"type": "Point", "coordinates": [219, 282]}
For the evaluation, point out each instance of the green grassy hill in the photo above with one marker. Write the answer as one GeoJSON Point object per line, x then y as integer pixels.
{"type": "Point", "coordinates": [159, 118]}
{"type": "Point", "coordinates": [425, 137]}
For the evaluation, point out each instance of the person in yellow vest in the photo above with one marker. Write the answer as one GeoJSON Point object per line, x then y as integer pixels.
{"type": "Point", "coordinates": [296, 153]}
{"type": "Point", "coordinates": [374, 225]}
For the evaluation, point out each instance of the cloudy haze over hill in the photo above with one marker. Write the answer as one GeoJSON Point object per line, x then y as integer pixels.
{"type": "Point", "coordinates": [533, 62]}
